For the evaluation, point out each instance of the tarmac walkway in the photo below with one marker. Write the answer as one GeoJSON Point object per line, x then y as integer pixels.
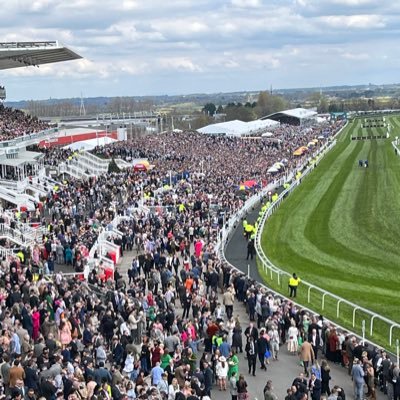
{"type": "Point", "coordinates": [288, 367]}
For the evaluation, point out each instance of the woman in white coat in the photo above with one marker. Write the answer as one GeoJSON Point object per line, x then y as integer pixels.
{"type": "Point", "coordinates": [293, 334]}
{"type": "Point", "coordinates": [221, 370]}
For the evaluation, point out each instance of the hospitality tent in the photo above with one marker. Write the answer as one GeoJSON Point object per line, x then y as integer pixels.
{"type": "Point", "coordinates": [89, 144]}
{"type": "Point", "coordinates": [295, 116]}
{"type": "Point", "coordinates": [238, 128]}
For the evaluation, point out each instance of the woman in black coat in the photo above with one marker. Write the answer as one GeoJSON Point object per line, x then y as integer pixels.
{"type": "Point", "coordinates": [237, 342]}
{"type": "Point", "coordinates": [325, 377]}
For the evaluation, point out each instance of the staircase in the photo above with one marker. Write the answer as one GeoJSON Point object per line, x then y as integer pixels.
{"type": "Point", "coordinates": [26, 238]}
{"type": "Point", "coordinates": [18, 199]}
{"type": "Point", "coordinates": [84, 165]}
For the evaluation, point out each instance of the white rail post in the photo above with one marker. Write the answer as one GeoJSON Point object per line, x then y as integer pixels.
{"type": "Point", "coordinates": [363, 331]}
{"type": "Point", "coordinates": [397, 351]}
{"type": "Point", "coordinates": [248, 270]}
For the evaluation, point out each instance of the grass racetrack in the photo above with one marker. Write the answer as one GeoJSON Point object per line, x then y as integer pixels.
{"type": "Point", "coordinates": [340, 228]}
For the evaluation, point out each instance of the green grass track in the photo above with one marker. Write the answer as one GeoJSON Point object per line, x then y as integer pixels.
{"type": "Point", "coordinates": [340, 228]}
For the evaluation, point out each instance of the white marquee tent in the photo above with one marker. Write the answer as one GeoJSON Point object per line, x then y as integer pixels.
{"type": "Point", "coordinates": [89, 144]}
{"type": "Point", "coordinates": [238, 128]}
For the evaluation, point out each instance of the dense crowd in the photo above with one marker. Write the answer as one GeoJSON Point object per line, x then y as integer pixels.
{"type": "Point", "coordinates": [168, 329]}
{"type": "Point", "coordinates": [15, 123]}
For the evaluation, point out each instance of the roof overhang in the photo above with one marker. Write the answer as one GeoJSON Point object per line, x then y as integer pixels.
{"type": "Point", "coordinates": [25, 54]}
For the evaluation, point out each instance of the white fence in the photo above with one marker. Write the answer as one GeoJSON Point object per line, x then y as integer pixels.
{"type": "Point", "coordinates": [276, 273]}
{"type": "Point", "coordinates": [229, 229]}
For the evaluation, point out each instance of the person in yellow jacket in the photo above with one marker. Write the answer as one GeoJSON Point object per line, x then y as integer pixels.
{"type": "Point", "coordinates": [248, 230]}
{"type": "Point", "coordinates": [21, 256]}
{"type": "Point", "coordinates": [293, 284]}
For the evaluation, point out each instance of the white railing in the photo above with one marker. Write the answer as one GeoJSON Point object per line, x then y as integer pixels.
{"type": "Point", "coordinates": [73, 170]}
{"type": "Point", "coordinates": [18, 199]}
{"type": "Point", "coordinates": [28, 139]}
{"type": "Point", "coordinates": [395, 145]}
{"type": "Point", "coordinates": [5, 252]}
{"type": "Point", "coordinates": [98, 165]}
{"type": "Point", "coordinates": [228, 231]}
{"type": "Point", "coordinates": [275, 272]}
{"type": "Point", "coordinates": [122, 164]}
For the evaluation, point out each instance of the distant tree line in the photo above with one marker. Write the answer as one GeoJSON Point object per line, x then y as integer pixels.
{"type": "Point", "coordinates": [324, 104]}
{"type": "Point", "coordinates": [69, 108]}
{"type": "Point", "coordinates": [266, 104]}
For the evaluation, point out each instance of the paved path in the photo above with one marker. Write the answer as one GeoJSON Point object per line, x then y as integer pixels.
{"type": "Point", "coordinates": [288, 367]}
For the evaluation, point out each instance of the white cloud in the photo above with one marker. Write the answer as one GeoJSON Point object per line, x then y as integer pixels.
{"type": "Point", "coordinates": [226, 44]}
{"type": "Point", "coordinates": [356, 56]}
{"type": "Point", "coordinates": [246, 3]}
{"type": "Point", "coordinates": [178, 64]}
{"type": "Point", "coordinates": [354, 21]}
{"type": "Point", "coordinates": [354, 2]}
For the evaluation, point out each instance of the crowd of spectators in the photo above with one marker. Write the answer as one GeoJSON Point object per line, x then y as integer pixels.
{"type": "Point", "coordinates": [15, 123]}
{"type": "Point", "coordinates": [168, 329]}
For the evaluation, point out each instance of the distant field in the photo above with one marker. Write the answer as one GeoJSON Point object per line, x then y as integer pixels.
{"type": "Point", "coordinates": [340, 229]}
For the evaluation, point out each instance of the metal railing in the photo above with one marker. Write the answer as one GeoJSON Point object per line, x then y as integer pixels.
{"type": "Point", "coordinates": [28, 139]}
{"type": "Point", "coordinates": [96, 160]}
{"type": "Point", "coordinates": [227, 233]}
{"type": "Point", "coordinates": [276, 273]}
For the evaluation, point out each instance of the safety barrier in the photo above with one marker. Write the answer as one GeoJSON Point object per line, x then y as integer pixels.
{"type": "Point", "coordinates": [276, 273]}
{"type": "Point", "coordinates": [28, 139]}
{"type": "Point", "coordinates": [227, 233]}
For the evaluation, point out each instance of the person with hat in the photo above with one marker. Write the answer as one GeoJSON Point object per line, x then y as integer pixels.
{"type": "Point", "coordinates": [221, 370]}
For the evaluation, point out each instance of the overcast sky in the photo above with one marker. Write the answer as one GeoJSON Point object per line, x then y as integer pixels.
{"type": "Point", "coordinates": [151, 47]}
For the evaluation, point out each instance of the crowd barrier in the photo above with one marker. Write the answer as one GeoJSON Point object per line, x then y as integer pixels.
{"type": "Point", "coordinates": [276, 273]}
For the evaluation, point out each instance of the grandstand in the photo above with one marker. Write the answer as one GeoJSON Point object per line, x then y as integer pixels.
{"type": "Point", "coordinates": [26, 54]}
{"type": "Point", "coordinates": [18, 167]}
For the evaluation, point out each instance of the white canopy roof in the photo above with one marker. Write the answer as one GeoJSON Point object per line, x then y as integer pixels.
{"type": "Point", "coordinates": [89, 144]}
{"type": "Point", "coordinates": [238, 128]}
{"type": "Point", "coordinates": [300, 113]}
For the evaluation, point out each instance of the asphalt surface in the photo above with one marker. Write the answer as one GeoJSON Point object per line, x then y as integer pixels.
{"type": "Point", "coordinates": [282, 372]}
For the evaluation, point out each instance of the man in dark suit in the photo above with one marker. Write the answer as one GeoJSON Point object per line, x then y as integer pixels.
{"type": "Point", "coordinates": [251, 330]}
{"type": "Point", "coordinates": [208, 379]}
{"type": "Point", "coordinates": [251, 355]}
{"type": "Point", "coordinates": [314, 385]}
{"type": "Point", "coordinates": [315, 341]}
{"type": "Point", "coordinates": [262, 346]}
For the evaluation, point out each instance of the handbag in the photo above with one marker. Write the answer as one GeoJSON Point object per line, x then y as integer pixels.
{"type": "Point", "coordinates": [267, 354]}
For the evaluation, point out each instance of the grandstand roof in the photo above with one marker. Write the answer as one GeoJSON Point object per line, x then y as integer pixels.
{"type": "Point", "coordinates": [237, 128]}
{"type": "Point", "coordinates": [23, 54]}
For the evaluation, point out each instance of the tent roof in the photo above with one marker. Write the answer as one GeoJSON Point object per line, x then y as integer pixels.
{"type": "Point", "coordinates": [90, 143]}
{"type": "Point", "coordinates": [24, 157]}
{"type": "Point", "coordinates": [300, 113]}
{"type": "Point", "coordinates": [237, 128]}
{"type": "Point", "coordinates": [24, 54]}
